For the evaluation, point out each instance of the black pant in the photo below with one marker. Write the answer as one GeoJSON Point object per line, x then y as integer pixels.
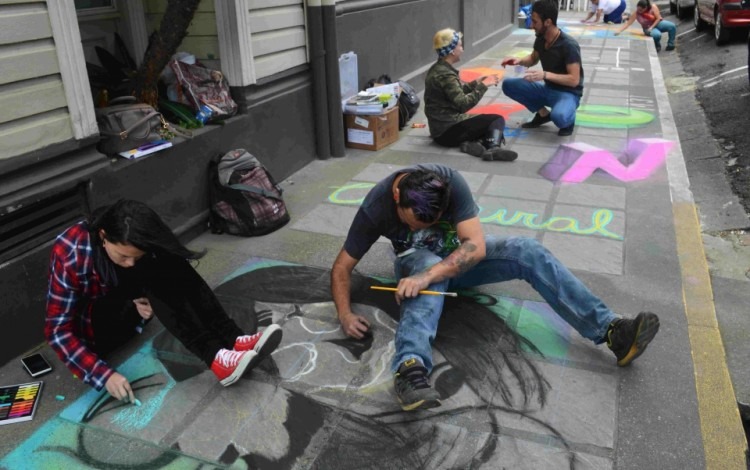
{"type": "Point", "coordinates": [181, 300]}
{"type": "Point", "coordinates": [474, 128]}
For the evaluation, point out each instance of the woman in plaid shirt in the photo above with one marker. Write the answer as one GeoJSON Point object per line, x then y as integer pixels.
{"type": "Point", "coordinates": [110, 275]}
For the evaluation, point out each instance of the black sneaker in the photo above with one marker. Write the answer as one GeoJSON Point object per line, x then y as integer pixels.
{"type": "Point", "coordinates": [472, 147]}
{"type": "Point", "coordinates": [628, 337]}
{"type": "Point", "coordinates": [413, 387]}
{"type": "Point", "coordinates": [566, 131]}
{"type": "Point", "coordinates": [669, 48]}
{"type": "Point", "coordinates": [537, 121]}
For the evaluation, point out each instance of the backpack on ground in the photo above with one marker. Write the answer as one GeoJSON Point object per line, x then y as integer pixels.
{"type": "Point", "coordinates": [244, 199]}
{"type": "Point", "coordinates": [408, 101]}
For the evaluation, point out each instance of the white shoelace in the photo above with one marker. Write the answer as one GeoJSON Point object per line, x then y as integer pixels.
{"type": "Point", "coordinates": [247, 338]}
{"type": "Point", "coordinates": [228, 357]}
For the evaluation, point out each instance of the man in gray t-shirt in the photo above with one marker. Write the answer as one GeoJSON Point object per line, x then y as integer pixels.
{"type": "Point", "coordinates": [429, 215]}
{"type": "Point", "coordinates": [559, 84]}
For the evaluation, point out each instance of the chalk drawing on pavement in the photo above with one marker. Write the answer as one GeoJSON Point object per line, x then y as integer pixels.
{"type": "Point", "coordinates": [321, 386]}
{"type": "Point", "coordinates": [503, 109]}
{"type": "Point", "coordinates": [353, 194]}
{"type": "Point", "coordinates": [600, 219]}
{"type": "Point", "coordinates": [611, 117]}
{"type": "Point", "coordinates": [471, 74]}
{"type": "Point", "coordinates": [576, 162]}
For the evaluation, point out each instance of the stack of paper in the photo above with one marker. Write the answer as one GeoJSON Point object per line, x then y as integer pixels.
{"type": "Point", "coordinates": [363, 103]}
{"type": "Point", "coordinates": [369, 101]}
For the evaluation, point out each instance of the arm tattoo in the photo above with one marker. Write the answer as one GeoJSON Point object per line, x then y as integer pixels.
{"type": "Point", "coordinates": [462, 258]}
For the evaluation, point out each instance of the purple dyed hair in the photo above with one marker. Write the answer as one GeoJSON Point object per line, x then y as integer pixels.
{"type": "Point", "coordinates": [425, 193]}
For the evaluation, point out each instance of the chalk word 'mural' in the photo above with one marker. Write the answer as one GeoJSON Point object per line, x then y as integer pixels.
{"type": "Point", "coordinates": [574, 163]}
{"type": "Point", "coordinates": [353, 194]}
{"type": "Point", "coordinates": [600, 219]}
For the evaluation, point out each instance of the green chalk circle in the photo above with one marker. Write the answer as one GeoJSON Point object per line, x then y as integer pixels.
{"type": "Point", "coordinates": [612, 117]}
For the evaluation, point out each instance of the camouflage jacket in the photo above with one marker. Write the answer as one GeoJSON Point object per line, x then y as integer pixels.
{"type": "Point", "coordinates": [447, 98]}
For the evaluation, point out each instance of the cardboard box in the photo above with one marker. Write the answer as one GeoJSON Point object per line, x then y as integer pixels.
{"type": "Point", "coordinates": [371, 131]}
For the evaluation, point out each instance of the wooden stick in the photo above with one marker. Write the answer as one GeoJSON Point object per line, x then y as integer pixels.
{"type": "Point", "coordinates": [426, 292]}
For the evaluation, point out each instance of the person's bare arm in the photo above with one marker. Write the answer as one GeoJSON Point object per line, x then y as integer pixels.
{"type": "Point", "coordinates": [471, 251]}
{"type": "Point", "coordinates": [627, 24]}
{"type": "Point", "coordinates": [353, 325]}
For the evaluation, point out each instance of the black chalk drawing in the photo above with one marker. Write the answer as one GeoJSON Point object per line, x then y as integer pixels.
{"type": "Point", "coordinates": [322, 400]}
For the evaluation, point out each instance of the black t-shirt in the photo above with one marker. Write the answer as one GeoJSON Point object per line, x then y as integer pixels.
{"type": "Point", "coordinates": [564, 51]}
{"type": "Point", "coordinates": [377, 216]}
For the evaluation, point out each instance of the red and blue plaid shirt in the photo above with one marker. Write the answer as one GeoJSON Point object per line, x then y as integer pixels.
{"type": "Point", "coordinates": [73, 285]}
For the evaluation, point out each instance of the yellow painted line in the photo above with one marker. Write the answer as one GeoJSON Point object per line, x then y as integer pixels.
{"type": "Point", "coordinates": [724, 442]}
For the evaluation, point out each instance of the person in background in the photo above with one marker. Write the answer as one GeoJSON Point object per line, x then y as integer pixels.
{"type": "Point", "coordinates": [559, 85]}
{"type": "Point", "coordinates": [611, 9]}
{"type": "Point", "coordinates": [447, 99]}
{"type": "Point", "coordinates": [110, 275]}
{"type": "Point", "coordinates": [649, 17]}
{"type": "Point", "coordinates": [429, 215]}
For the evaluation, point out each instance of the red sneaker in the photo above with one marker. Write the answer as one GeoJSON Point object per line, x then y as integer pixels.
{"type": "Point", "coordinates": [263, 342]}
{"type": "Point", "coordinates": [229, 365]}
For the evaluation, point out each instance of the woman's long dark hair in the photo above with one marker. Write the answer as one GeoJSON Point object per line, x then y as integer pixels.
{"type": "Point", "coordinates": [133, 223]}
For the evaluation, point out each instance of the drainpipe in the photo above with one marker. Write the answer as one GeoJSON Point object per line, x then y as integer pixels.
{"type": "Point", "coordinates": [319, 89]}
{"type": "Point", "coordinates": [333, 81]}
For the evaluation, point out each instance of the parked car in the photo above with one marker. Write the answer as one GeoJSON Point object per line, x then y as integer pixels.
{"type": "Point", "coordinates": [681, 8]}
{"type": "Point", "coordinates": [723, 14]}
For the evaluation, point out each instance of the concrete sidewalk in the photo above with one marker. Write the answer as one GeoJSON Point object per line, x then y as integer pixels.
{"type": "Point", "coordinates": [520, 388]}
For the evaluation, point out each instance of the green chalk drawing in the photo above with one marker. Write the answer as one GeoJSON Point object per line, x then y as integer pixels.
{"type": "Point", "coordinates": [550, 338]}
{"type": "Point", "coordinates": [600, 219]}
{"type": "Point", "coordinates": [353, 194]}
{"type": "Point", "coordinates": [611, 117]}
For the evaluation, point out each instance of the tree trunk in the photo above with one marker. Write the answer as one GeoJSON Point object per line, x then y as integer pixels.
{"type": "Point", "coordinates": [162, 44]}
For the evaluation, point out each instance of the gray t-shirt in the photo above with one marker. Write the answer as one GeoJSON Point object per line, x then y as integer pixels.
{"type": "Point", "coordinates": [377, 217]}
{"type": "Point", "coordinates": [564, 51]}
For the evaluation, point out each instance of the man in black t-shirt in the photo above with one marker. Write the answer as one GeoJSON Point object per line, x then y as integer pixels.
{"type": "Point", "coordinates": [559, 85]}
{"type": "Point", "coordinates": [429, 215]}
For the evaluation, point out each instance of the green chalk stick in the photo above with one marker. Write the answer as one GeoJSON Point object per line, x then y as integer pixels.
{"type": "Point", "coordinates": [137, 402]}
{"type": "Point", "coordinates": [59, 397]}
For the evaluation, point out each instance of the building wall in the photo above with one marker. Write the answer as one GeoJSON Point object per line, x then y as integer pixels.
{"type": "Point", "coordinates": [405, 52]}
{"type": "Point", "coordinates": [32, 99]}
{"type": "Point", "coordinates": [278, 36]}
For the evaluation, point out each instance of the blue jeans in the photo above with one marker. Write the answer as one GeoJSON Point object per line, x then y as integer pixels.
{"type": "Point", "coordinates": [536, 95]}
{"type": "Point", "coordinates": [616, 15]}
{"type": "Point", "coordinates": [664, 26]}
{"type": "Point", "coordinates": [506, 259]}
